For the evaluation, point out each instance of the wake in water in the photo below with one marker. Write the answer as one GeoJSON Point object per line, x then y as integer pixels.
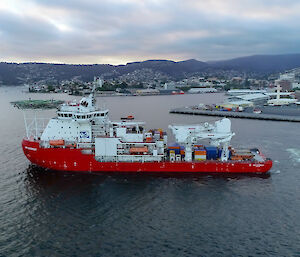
{"type": "Point", "coordinates": [294, 154]}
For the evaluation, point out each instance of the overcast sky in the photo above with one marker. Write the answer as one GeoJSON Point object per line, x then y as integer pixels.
{"type": "Point", "coordinates": [121, 31]}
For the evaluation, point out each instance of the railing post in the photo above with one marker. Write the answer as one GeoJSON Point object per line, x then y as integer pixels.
{"type": "Point", "coordinates": [36, 128]}
{"type": "Point", "coordinates": [25, 122]}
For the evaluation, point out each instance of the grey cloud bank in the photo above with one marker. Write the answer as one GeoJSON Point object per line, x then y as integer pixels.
{"type": "Point", "coordinates": [130, 30]}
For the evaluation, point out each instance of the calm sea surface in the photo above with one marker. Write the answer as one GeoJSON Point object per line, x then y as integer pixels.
{"type": "Point", "coordinates": [64, 214]}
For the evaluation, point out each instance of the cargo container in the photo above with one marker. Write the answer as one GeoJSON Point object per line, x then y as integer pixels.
{"type": "Point", "coordinates": [200, 154]}
{"type": "Point", "coordinates": [200, 157]}
{"type": "Point", "coordinates": [212, 152]}
{"type": "Point", "coordinates": [174, 146]}
{"type": "Point", "coordinates": [178, 157]}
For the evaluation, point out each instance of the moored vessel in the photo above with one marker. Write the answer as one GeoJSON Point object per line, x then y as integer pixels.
{"type": "Point", "coordinates": [82, 138]}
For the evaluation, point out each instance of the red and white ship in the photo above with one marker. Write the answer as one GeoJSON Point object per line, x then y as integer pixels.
{"type": "Point", "coordinates": [83, 139]}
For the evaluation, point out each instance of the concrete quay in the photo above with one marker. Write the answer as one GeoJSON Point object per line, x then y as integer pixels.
{"type": "Point", "coordinates": [239, 115]}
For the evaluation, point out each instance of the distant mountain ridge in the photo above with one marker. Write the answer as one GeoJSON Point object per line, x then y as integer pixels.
{"type": "Point", "coordinates": [19, 73]}
{"type": "Point", "coordinates": [263, 63]}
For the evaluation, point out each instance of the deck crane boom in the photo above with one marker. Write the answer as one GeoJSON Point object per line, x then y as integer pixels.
{"type": "Point", "coordinates": [218, 133]}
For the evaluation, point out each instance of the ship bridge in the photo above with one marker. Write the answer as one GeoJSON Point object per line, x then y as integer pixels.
{"type": "Point", "coordinates": [84, 111]}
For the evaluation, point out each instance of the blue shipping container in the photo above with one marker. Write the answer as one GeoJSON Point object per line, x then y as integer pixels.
{"type": "Point", "coordinates": [212, 152]}
{"type": "Point", "coordinates": [177, 151]}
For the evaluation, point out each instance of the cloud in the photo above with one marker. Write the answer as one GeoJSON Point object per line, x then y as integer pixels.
{"type": "Point", "coordinates": [119, 31]}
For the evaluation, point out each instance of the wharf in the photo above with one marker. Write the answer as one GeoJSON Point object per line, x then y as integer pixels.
{"type": "Point", "coordinates": [239, 115]}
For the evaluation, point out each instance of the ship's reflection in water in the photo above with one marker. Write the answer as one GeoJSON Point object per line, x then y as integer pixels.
{"type": "Point", "coordinates": [42, 180]}
{"type": "Point", "coordinates": [137, 210]}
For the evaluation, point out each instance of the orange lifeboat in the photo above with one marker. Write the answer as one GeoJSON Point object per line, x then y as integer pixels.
{"type": "Point", "coordinates": [134, 150]}
{"type": "Point", "coordinates": [58, 142]}
{"type": "Point", "coordinates": [129, 117]}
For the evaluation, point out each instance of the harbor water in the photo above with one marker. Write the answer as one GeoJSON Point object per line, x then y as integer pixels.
{"type": "Point", "coordinates": [49, 213]}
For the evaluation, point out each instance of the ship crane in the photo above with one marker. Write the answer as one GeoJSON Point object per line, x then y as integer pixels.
{"type": "Point", "coordinates": [218, 133]}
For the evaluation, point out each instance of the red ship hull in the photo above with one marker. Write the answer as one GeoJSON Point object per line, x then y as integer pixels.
{"type": "Point", "coordinates": [68, 159]}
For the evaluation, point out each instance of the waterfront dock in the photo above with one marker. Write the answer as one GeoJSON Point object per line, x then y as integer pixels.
{"type": "Point", "coordinates": [238, 115]}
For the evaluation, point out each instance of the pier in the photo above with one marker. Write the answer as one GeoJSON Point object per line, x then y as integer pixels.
{"type": "Point", "coordinates": [238, 115]}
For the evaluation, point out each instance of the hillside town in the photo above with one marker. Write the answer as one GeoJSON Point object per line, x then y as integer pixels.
{"type": "Point", "coordinates": [143, 82]}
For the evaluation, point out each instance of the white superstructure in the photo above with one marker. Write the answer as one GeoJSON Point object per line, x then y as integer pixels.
{"type": "Point", "coordinates": [76, 122]}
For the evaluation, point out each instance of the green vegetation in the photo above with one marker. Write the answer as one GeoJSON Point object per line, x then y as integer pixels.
{"type": "Point", "coordinates": [37, 104]}
{"type": "Point", "coordinates": [50, 88]}
{"type": "Point", "coordinates": [106, 87]}
{"type": "Point", "coordinates": [184, 88]}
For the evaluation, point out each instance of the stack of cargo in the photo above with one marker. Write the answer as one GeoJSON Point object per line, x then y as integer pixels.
{"type": "Point", "coordinates": [158, 134]}
{"type": "Point", "coordinates": [174, 152]}
{"type": "Point", "coordinates": [200, 154]}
